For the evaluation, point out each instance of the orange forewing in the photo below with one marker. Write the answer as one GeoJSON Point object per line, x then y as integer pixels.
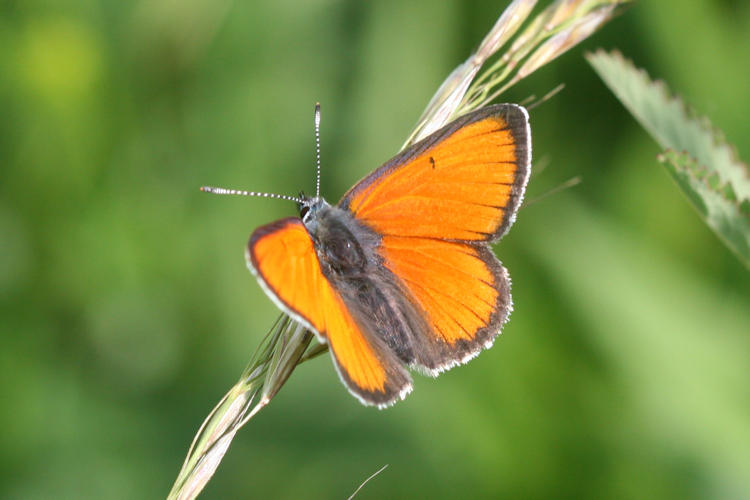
{"type": "Point", "coordinates": [283, 256]}
{"type": "Point", "coordinates": [463, 183]}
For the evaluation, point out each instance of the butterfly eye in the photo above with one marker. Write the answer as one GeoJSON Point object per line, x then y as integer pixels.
{"type": "Point", "coordinates": [303, 211]}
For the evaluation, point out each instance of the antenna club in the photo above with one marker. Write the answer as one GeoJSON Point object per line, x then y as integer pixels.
{"type": "Point", "coordinates": [213, 190]}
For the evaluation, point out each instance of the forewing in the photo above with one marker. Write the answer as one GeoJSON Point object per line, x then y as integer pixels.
{"type": "Point", "coordinates": [283, 257]}
{"type": "Point", "coordinates": [464, 182]}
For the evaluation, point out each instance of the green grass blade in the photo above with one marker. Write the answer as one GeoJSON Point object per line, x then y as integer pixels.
{"type": "Point", "coordinates": [716, 202]}
{"type": "Point", "coordinates": [696, 154]}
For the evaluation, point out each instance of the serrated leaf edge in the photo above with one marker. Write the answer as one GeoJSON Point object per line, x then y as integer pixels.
{"type": "Point", "coordinates": [690, 114]}
{"type": "Point", "coordinates": [673, 157]}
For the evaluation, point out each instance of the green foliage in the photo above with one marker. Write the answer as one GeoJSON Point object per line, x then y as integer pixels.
{"type": "Point", "coordinates": [126, 309]}
{"type": "Point", "coordinates": [715, 200]}
{"type": "Point", "coordinates": [702, 163]}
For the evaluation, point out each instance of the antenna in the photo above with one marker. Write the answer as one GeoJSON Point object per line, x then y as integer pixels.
{"type": "Point", "coordinates": [317, 149]}
{"type": "Point", "coordinates": [297, 199]}
{"type": "Point", "coordinates": [219, 190]}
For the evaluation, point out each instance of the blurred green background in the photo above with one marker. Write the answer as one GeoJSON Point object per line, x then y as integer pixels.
{"type": "Point", "coordinates": [127, 310]}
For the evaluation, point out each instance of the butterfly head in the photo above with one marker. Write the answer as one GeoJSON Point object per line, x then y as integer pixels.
{"type": "Point", "coordinates": [309, 207]}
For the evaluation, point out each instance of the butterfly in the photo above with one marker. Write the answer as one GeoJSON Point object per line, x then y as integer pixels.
{"type": "Point", "coordinates": [399, 273]}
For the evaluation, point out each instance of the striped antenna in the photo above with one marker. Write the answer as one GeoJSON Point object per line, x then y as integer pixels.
{"type": "Point", "coordinates": [218, 190]}
{"type": "Point", "coordinates": [317, 148]}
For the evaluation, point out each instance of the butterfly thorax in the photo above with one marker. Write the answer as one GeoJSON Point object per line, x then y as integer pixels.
{"type": "Point", "coordinates": [345, 248]}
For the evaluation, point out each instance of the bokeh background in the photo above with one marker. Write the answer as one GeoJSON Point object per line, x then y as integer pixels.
{"type": "Point", "coordinates": [127, 310]}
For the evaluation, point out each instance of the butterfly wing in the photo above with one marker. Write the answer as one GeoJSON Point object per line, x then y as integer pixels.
{"type": "Point", "coordinates": [283, 257]}
{"type": "Point", "coordinates": [436, 205]}
{"type": "Point", "coordinates": [464, 182]}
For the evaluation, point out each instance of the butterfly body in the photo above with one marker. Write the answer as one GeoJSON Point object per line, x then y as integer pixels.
{"type": "Point", "coordinates": [400, 273]}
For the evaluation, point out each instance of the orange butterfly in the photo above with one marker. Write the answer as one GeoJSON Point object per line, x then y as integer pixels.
{"type": "Point", "coordinates": [400, 272]}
